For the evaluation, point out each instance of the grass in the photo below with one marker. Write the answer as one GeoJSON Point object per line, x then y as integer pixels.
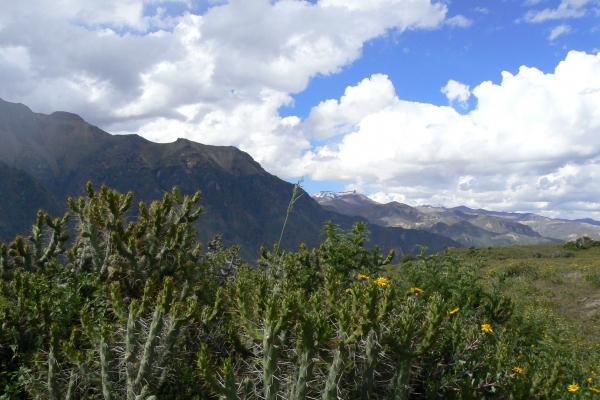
{"type": "Point", "coordinates": [558, 279]}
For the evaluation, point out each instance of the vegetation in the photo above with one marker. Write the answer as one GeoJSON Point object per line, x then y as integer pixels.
{"type": "Point", "coordinates": [134, 309]}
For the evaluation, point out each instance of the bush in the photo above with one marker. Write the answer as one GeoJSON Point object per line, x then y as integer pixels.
{"type": "Point", "coordinates": [136, 311]}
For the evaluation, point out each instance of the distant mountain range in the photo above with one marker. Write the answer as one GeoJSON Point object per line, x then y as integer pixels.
{"type": "Point", "coordinates": [46, 158]}
{"type": "Point", "coordinates": [467, 226]}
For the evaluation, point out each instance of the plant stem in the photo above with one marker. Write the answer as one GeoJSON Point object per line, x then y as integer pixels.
{"type": "Point", "coordinates": [295, 196]}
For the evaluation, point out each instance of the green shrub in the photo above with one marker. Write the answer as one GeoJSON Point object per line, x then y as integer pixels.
{"type": "Point", "coordinates": [136, 311]}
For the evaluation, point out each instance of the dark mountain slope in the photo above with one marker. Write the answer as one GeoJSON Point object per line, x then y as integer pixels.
{"type": "Point", "coordinates": [241, 200]}
{"type": "Point", "coordinates": [21, 196]}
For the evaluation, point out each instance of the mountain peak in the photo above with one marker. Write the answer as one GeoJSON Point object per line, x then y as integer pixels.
{"type": "Point", "coordinates": [63, 115]}
{"type": "Point", "coordinates": [327, 195]}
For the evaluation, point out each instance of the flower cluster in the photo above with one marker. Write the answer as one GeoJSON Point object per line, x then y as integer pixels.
{"type": "Point", "coordinates": [518, 370]}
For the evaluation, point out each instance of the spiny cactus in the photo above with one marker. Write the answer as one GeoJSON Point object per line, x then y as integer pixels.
{"type": "Point", "coordinates": [42, 250]}
{"type": "Point", "coordinates": [135, 346]}
{"type": "Point", "coordinates": [162, 242]}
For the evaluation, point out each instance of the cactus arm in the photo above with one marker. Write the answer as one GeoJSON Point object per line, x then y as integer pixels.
{"type": "Point", "coordinates": [105, 358]}
{"type": "Point", "coordinates": [131, 346]}
{"type": "Point", "coordinates": [434, 319]}
{"type": "Point", "coordinates": [335, 369]}
{"type": "Point", "coordinates": [305, 373]}
{"type": "Point", "coordinates": [77, 358]}
{"type": "Point", "coordinates": [270, 357]}
{"type": "Point", "coordinates": [37, 235]}
{"type": "Point", "coordinates": [165, 300]}
{"type": "Point", "coordinates": [71, 388]}
{"type": "Point", "coordinates": [117, 302]}
{"type": "Point", "coordinates": [368, 376]}
{"type": "Point", "coordinates": [57, 240]}
{"type": "Point", "coordinates": [88, 328]}
{"type": "Point", "coordinates": [180, 317]}
{"type": "Point", "coordinates": [309, 326]}
{"type": "Point", "coordinates": [150, 345]}
{"type": "Point", "coordinates": [245, 317]}
{"type": "Point", "coordinates": [226, 390]}
{"type": "Point", "coordinates": [401, 379]}
{"type": "Point", "coordinates": [52, 384]}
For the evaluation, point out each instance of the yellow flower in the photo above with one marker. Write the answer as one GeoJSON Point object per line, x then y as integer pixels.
{"type": "Point", "coordinates": [595, 390]}
{"type": "Point", "coordinates": [487, 328]}
{"type": "Point", "coordinates": [349, 290]}
{"type": "Point", "coordinates": [589, 380]}
{"type": "Point", "coordinates": [416, 290]}
{"type": "Point", "coordinates": [457, 309]}
{"type": "Point", "coordinates": [381, 281]}
{"type": "Point", "coordinates": [518, 370]}
{"type": "Point", "coordinates": [573, 388]}
{"type": "Point", "coordinates": [363, 277]}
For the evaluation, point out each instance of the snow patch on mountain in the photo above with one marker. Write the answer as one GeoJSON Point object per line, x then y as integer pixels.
{"type": "Point", "coordinates": [328, 196]}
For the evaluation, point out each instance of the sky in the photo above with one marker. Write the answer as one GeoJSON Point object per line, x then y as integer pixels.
{"type": "Point", "coordinates": [485, 103]}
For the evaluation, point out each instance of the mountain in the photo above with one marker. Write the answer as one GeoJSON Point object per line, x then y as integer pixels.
{"type": "Point", "coordinates": [61, 152]}
{"type": "Point", "coordinates": [21, 196]}
{"type": "Point", "coordinates": [560, 229]}
{"type": "Point", "coordinates": [467, 226]}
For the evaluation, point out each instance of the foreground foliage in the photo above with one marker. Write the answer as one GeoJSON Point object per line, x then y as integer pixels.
{"type": "Point", "coordinates": [133, 309]}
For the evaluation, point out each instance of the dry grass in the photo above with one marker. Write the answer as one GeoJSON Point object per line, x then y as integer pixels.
{"type": "Point", "coordinates": [563, 281]}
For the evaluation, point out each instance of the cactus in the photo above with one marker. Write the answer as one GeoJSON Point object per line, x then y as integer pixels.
{"type": "Point", "coordinates": [145, 366]}
{"type": "Point", "coordinates": [273, 316]}
{"type": "Point", "coordinates": [313, 333]}
{"type": "Point", "coordinates": [42, 251]}
{"type": "Point", "coordinates": [227, 389]}
{"type": "Point", "coordinates": [162, 242]}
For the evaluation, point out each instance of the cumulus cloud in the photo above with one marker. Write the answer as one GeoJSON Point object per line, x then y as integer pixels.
{"type": "Point", "coordinates": [566, 9]}
{"type": "Point", "coordinates": [559, 30]}
{"type": "Point", "coordinates": [456, 91]}
{"type": "Point", "coordinates": [532, 143]}
{"type": "Point", "coordinates": [216, 78]}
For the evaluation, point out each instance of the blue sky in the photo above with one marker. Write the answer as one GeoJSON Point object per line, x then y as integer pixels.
{"type": "Point", "coordinates": [352, 94]}
{"type": "Point", "coordinates": [421, 62]}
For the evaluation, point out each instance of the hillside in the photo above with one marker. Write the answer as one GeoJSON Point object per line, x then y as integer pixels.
{"type": "Point", "coordinates": [462, 224]}
{"type": "Point", "coordinates": [240, 199]}
{"type": "Point", "coordinates": [21, 197]}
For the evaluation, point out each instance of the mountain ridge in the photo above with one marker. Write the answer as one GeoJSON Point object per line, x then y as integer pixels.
{"type": "Point", "coordinates": [468, 226]}
{"type": "Point", "coordinates": [241, 200]}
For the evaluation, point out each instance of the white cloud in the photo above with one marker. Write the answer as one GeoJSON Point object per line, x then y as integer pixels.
{"type": "Point", "coordinates": [131, 72]}
{"type": "Point", "coordinates": [559, 30]}
{"type": "Point", "coordinates": [332, 117]}
{"type": "Point", "coordinates": [385, 198]}
{"type": "Point", "coordinates": [566, 9]}
{"type": "Point", "coordinates": [533, 141]}
{"type": "Point", "coordinates": [220, 78]}
{"type": "Point", "coordinates": [460, 21]}
{"type": "Point", "coordinates": [456, 91]}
